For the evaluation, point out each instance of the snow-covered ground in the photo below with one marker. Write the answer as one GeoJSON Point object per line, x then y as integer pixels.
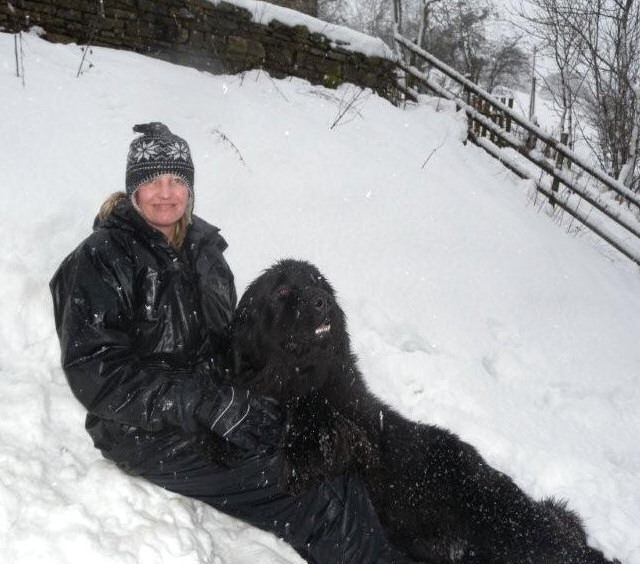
{"type": "Point", "coordinates": [468, 306]}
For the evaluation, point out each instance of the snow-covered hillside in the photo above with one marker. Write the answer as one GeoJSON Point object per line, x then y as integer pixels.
{"type": "Point", "coordinates": [468, 306]}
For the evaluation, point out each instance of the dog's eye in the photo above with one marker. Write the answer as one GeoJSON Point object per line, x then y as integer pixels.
{"type": "Point", "coordinates": [283, 291]}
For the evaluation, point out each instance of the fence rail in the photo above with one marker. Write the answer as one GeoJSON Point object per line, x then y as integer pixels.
{"type": "Point", "coordinates": [488, 114]}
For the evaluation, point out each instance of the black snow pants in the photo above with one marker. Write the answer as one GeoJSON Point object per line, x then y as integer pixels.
{"type": "Point", "coordinates": [332, 524]}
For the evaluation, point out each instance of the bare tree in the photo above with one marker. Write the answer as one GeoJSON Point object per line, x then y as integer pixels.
{"type": "Point", "coordinates": [599, 42]}
{"type": "Point", "coordinates": [463, 25]}
{"type": "Point", "coordinates": [628, 174]}
{"type": "Point", "coordinates": [551, 23]}
{"type": "Point", "coordinates": [427, 8]}
{"type": "Point", "coordinates": [373, 17]}
{"type": "Point", "coordinates": [456, 32]}
{"type": "Point", "coordinates": [453, 30]}
{"type": "Point", "coordinates": [612, 57]}
{"type": "Point", "coordinates": [506, 65]}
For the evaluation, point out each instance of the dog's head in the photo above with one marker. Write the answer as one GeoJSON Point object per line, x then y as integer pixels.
{"type": "Point", "coordinates": [288, 320]}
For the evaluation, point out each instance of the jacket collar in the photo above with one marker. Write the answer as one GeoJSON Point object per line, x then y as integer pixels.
{"type": "Point", "coordinates": [200, 232]}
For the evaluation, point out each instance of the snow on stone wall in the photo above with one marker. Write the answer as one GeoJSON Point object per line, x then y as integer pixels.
{"type": "Point", "coordinates": [217, 36]}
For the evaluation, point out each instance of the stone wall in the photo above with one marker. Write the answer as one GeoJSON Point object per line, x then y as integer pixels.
{"type": "Point", "coordinates": [220, 38]}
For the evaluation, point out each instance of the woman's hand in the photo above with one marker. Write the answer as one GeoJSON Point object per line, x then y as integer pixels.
{"type": "Point", "coordinates": [249, 421]}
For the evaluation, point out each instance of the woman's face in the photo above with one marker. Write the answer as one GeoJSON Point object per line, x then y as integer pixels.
{"type": "Point", "coordinates": [162, 202]}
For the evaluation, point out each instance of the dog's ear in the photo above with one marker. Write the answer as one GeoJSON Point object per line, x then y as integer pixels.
{"type": "Point", "coordinates": [249, 335]}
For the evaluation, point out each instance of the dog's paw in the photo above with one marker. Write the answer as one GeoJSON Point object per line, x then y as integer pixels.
{"type": "Point", "coordinates": [298, 475]}
{"type": "Point", "coordinates": [306, 457]}
{"type": "Point", "coordinates": [320, 443]}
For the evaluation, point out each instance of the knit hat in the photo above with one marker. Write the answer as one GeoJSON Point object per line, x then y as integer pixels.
{"type": "Point", "coordinates": [157, 151]}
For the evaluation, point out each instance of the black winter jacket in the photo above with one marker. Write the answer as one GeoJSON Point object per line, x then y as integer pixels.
{"type": "Point", "coordinates": [140, 325]}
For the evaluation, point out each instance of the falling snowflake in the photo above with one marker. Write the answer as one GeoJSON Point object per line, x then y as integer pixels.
{"type": "Point", "coordinates": [179, 151]}
{"type": "Point", "coordinates": [146, 150]}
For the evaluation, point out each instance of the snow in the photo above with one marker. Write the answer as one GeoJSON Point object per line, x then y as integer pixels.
{"type": "Point", "coordinates": [468, 305]}
{"type": "Point", "coordinates": [340, 36]}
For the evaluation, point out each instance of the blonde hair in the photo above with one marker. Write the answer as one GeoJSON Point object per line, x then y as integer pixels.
{"type": "Point", "coordinates": [182, 226]}
{"type": "Point", "coordinates": [109, 204]}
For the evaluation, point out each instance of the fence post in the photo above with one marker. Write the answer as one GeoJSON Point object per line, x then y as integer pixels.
{"type": "Point", "coordinates": [501, 119]}
{"type": "Point", "coordinates": [510, 104]}
{"type": "Point", "coordinates": [466, 95]}
{"type": "Point", "coordinates": [482, 106]}
{"type": "Point", "coordinates": [564, 137]}
{"type": "Point", "coordinates": [493, 116]}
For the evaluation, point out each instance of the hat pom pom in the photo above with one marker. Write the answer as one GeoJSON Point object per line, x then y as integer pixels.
{"type": "Point", "coordinates": [155, 128]}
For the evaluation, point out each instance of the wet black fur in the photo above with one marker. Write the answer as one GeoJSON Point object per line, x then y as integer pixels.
{"type": "Point", "coordinates": [435, 495]}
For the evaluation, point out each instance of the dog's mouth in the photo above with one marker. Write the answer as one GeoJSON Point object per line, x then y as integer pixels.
{"type": "Point", "coordinates": [323, 329]}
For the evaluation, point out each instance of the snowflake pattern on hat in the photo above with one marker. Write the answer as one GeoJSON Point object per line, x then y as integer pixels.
{"type": "Point", "coordinates": [146, 150]}
{"type": "Point", "coordinates": [179, 151]}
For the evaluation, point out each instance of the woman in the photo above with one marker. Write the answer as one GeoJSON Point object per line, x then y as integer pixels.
{"type": "Point", "coordinates": [142, 308]}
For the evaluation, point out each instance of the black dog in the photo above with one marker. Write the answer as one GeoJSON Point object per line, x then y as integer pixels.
{"type": "Point", "coordinates": [436, 497]}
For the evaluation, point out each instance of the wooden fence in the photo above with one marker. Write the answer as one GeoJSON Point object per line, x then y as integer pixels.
{"type": "Point", "coordinates": [493, 113]}
{"type": "Point", "coordinates": [493, 125]}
